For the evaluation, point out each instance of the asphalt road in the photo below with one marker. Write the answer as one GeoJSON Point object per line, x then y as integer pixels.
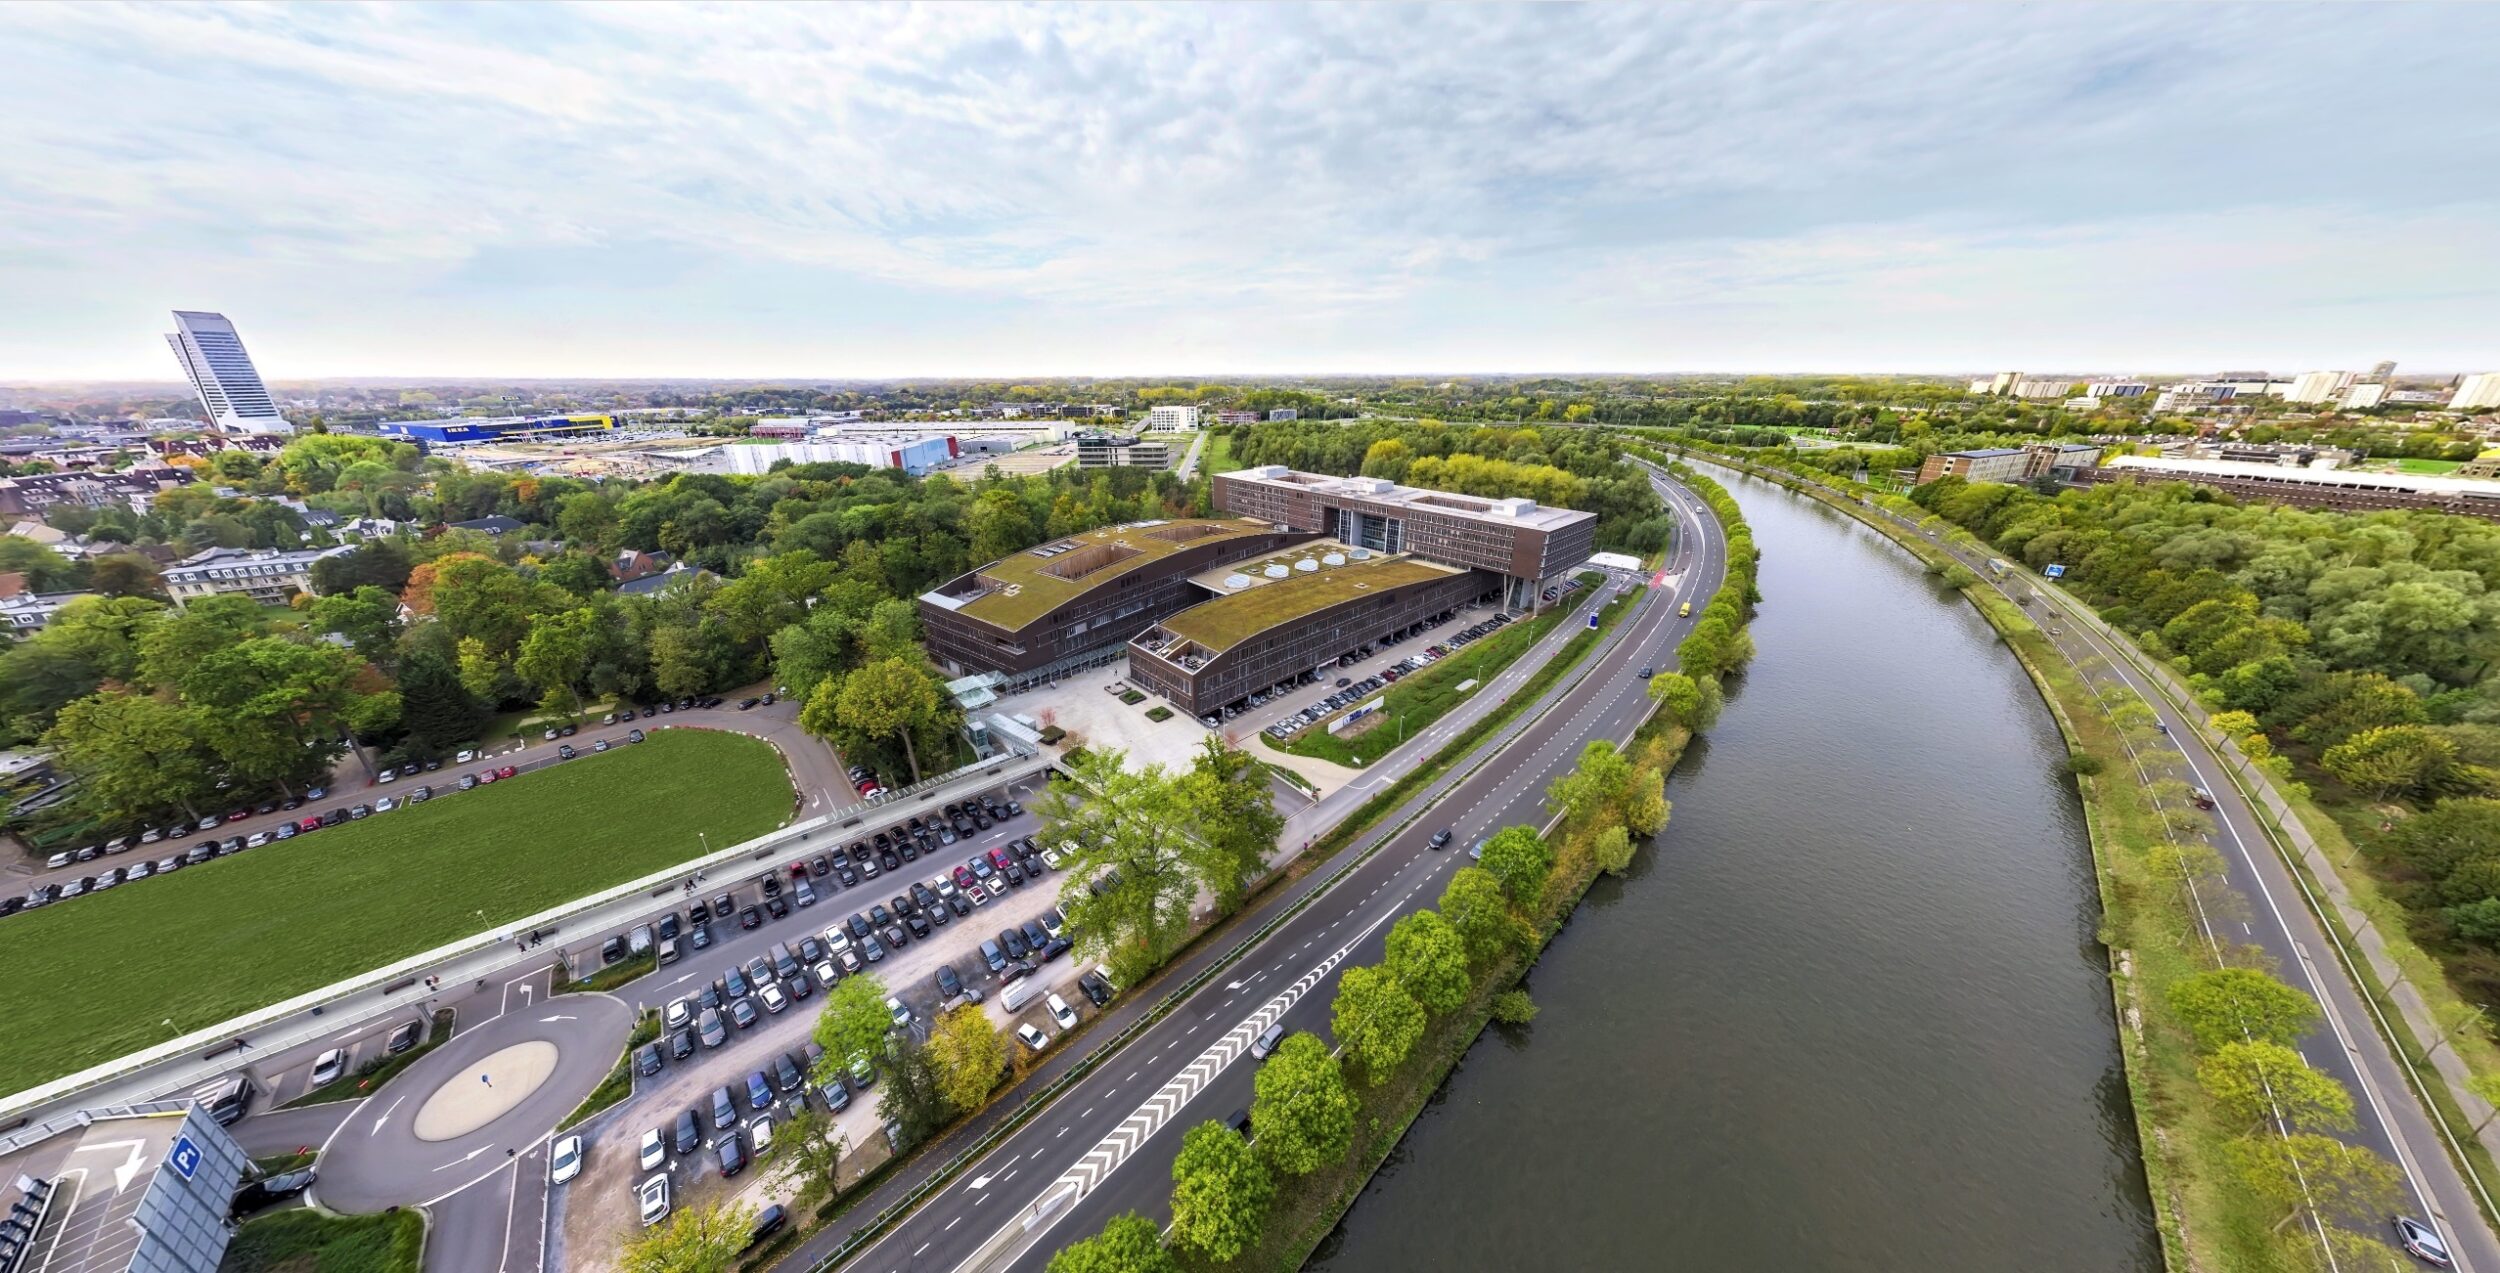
{"type": "Point", "coordinates": [1105, 1144]}
{"type": "Point", "coordinates": [2277, 919]}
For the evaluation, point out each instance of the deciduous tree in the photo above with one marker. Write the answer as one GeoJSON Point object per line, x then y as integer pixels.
{"type": "Point", "coordinates": [1129, 1244]}
{"type": "Point", "coordinates": [136, 756]}
{"type": "Point", "coordinates": [1120, 822]}
{"type": "Point", "coordinates": [853, 1023]}
{"type": "Point", "coordinates": [1473, 904]}
{"type": "Point", "coordinates": [1233, 820]}
{"type": "Point", "coordinates": [1518, 858]}
{"type": "Point", "coordinates": [2256, 1082]}
{"type": "Point", "coordinates": [1220, 1193]}
{"type": "Point", "coordinates": [691, 1240]}
{"type": "Point", "coordinates": [1429, 959]}
{"type": "Point", "coordinates": [1303, 1113]}
{"type": "Point", "coordinates": [2291, 1173]}
{"type": "Point", "coordinates": [969, 1054]}
{"type": "Point", "coordinates": [1376, 1021]}
{"type": "Point", "coordinates": [807, 1154]}
{"type": "Point", "coordinates": [2231, 1005]}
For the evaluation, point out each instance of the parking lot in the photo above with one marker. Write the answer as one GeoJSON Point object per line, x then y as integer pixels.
{"type": "Point", "coordinates": [597, 1211]}
{"type": "Point", "coordinates": [1373, 670]}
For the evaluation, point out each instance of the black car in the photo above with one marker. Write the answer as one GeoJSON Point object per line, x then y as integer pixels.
{"type": "Point", "coordinates": [263, 1193]}
{"type": "Point", "coordinates": [1035, 935]}
{"type": "Point", "coordinates": [711, 996]}
{"type": "Point", "coordinates": [403, 1038]}
{"type": "Point", "coordinates": [759, 1092]}
{"type": "Point", "coordinates": [647, 1061]}
{"type": "Point", "coordinates": [750, 918]}
{"type": "Point", "coordinates": [1441, 838]}
{"type": "Point", "coordinates": [895, 936]}
{"type": "Point", "coordinates": [879, 916]}
{"type": "Point", "coordinates": [681, 1044]}
{"type": "Point", "coordinates": [734, 985]}
{"type": "Point", "coordinates": [858, 926]}
{"type": "Point", "coordinates": [1096, 989]}
{"type": "Point", "coordinates": [732, 1149]}
{"type": "Point", "coordinates": [771, 885]}
{"type": "Point", "coordinates": [668, 926]}
{"type": "Point", "coordinates": [949, 985]}
{"type": "Point", "coordinates": [687, 1136]}
{"type": "Point", "coordinates": [722, 906]}
{"type": "Point", "coordinates": [1013, 941]}
{"type": "Point", "coordinates": [918, 925]}
{"type": "Point", "coordinates": [788, 1074]}
{"type": "Point", "coordinates": [769, 1223]}
{"type": "Point", "coordinates": [700, 937]}
{"type": "Point", "coordinates": [837, 1093]}
{"type": "Point", "coordinates": [780, 907]}
{"type": "Point", "coordinates": [565, 751]}
{"type": "Point", "coordinates": [715, 1033]}
{"type": "Point", "coordinates": [844, 872]}
{"type": "Point", "coordinates": [743, 1012]}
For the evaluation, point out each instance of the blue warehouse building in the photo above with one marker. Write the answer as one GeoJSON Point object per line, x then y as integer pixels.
{"type": "Point", "coordinates": [498, 429]}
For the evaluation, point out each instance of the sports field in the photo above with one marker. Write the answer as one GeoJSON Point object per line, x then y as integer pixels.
{"type": "Point", "coordinates": [98, 977]}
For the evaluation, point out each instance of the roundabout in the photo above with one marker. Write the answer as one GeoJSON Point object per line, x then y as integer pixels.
{"type": "Point", "coordinates": [485, 1096]}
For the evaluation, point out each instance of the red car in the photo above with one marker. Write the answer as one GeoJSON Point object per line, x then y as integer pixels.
{"type": "Point", "coordinates": [963, 877]}
{"type": "Point", "coordinates": [309, 824]}
{"type": "Point", "coordinates": [485, 776]}
{"type": "Point", "coordinates": [998, 858]}
{"type": "Point", "coordinates": [506, 772]}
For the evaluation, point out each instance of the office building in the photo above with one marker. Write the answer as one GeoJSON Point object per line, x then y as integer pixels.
{"type": "Point", "coordinates": [29, 496]}
{"type": "Point", "coordinates": [2318, 386]}
{"type": "Point", "coordinates": [2041, 387]}
{"type": "Point", "coordinates": [230, 388]}
{"type": "Point", "coordinates": [2197, 396]}
{"type": "Point", "coordinates": [1999, 384]}
{"type": "Point", "coordinates": [2383, 372]}
{"type": "Point", "coordinates": [1280, 414]}
{"type": "Point", "coordinates": [264, 576]}
{"type": "Point", "coordinates": [2363, 394]}
{"type": "Point", "coordinates": [1528, 545]}
{"type": "Point", "coordinates": [1078, 599]}
{"type": "Point", "coordinates": [2116, 389]}
{"type": "Point", "coordinates": [1172, 417]}
{"type": "Point", "coordinates": [124, 1189]}
{"type": "Point", "coordinates": [1294, 618]}
{"type": "Point", "coordinates": [1119, 450]}
{"type": "Point", "coordinates": [2344, 490]}
{"type": "Point", "coordinates": [1994, 464]}
{"type": "Point", "coordinates": [2477, 392]}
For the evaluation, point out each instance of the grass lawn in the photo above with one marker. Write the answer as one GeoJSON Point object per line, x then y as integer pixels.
{"type": "Point", "coordinates": [1424, 697]}
{"type": "Point", "coordinates": [1218, 457]}
{"type": "Point", "coordinates": [2433, 467]}
{"type": "Point", "coordinates": [225, 938]}
{"type": "Point", "coordinates": [298, 1240]}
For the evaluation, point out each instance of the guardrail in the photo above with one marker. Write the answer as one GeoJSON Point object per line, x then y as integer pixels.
{"type": "Point", "coordinates": [213, 1050]}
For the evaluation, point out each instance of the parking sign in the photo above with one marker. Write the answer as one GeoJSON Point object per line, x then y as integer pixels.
{"type": "Point", "coordinates": [184, 1157]}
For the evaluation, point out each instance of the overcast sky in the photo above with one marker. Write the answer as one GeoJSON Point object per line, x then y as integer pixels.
{"type": "Point", "coordinates": [834, 190]}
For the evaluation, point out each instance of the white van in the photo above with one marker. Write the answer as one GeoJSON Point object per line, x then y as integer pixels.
{"type": "Point", "coordinates": [1021, 991]}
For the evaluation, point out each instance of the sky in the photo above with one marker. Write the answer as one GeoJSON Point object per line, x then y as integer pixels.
{"type": "Point", "coordinates": [973, 190]}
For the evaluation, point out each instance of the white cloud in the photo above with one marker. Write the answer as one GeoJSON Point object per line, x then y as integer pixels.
{"type": "Point", "coordinates": [1257, 186]}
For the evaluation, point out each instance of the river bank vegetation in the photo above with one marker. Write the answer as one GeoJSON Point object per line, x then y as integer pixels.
{"type": "Point", "coordinates": [2237, 1131]}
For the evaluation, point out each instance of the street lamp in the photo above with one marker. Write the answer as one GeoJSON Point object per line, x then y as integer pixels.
{"type": "Point", "coordinates": [169, 1024]}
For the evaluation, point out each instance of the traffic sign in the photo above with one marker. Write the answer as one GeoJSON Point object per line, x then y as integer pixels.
{"type": "Point", "coordinates": [184, 1157]}
{"type": "Point", "coordinates": [2053, 571]}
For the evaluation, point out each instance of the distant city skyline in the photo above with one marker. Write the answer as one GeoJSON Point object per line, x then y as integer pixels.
{"type": "Point", "coordinates": [875, 193]}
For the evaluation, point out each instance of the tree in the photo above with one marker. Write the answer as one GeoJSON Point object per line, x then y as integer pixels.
{"type": "Point", "coordinates": [892, 698]}
{"type": "Point", "coordinates": [2293, 1173]}
{"type": "Point", "coordinates": [1429, 958]}
{"type": "Point", "coordinates": [1302, 1113]}
{"type": "Point", "coordinates": [1234, 823]}
{"type": "Point", "coordinates": [367, 617]}
{"type": "Point", "coordinates": [691, 1240]}
{"type": "Point", "coordinates": [556, 655]}
{"type": "Point", "coordinates": [2231, 1005]}
{"type": "Point", "coordinates": [137, 757]}
{"type": "Point", "coordinates": [1128, 1244]}
{"type": "Point", "coordinates": [771, 595]}
{"type": "Point", "coordinates": [378, 563]}
{"type": "Point", "coordinates": [2390, 759]}
{"type": "Point", "coordinates": [912, 1098]}
{"type": "Point", "coordinates": [817, 650]}
{"type": "Point", "coordinates": [1376, 1021]}
{"type": "Point", "coordinates": [175, 645]}
{"type": "Point", "coordinates": [272, 708]}
{"type": "Point", "coordinates": [1613, 850]}
{"type": "Point", "coordinates": [577, 573]}
{"type": "Point", "coordinates": [807, 1154]}
{"type": "Point", "coordinates": [969, 1054]}
{"type": "Point", "coordinates": [1645, 809]}
{"type": "Point", "coordinates": [1220, 1193]}
{"type": "Point", "coordinates": [45, 570]}
{"type": "Point", "coordinates": [853, 1023]}
{"type": "Point", "coordinates": [2259, 1082]}
{"type": "Point", "coordinates": [1472, 902]}
{"type": "Point", "coordinates": [435, 709]}
{"type": "Point", "coordinates": [125, 575]}
{"type": "Point", "coordinates": [1598, 782]}
{"type": "Point", "coordinates": [999, 524]}
{"type": "Point", "coordinates": [1518, 858]}
{"type": "Point", "coordinates": [1681, 699]}
{"type": "Point", "coordinates": [1119, 822]}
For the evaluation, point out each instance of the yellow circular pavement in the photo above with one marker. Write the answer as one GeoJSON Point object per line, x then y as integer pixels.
{"type": "Point", "coordinates": [485, 1091]}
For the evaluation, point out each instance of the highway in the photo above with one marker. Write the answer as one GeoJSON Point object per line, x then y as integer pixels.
{"type": "Point", "coordinates": [2278, 920]}
{"type": "Point", "coordinates": [1105, 1144]}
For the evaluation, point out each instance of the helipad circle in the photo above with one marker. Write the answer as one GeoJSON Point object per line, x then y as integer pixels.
{"type": "Point", "coordinates": [485, 1091]}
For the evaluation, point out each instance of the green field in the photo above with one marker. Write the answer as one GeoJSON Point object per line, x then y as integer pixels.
{"type": "Point", "coordinates": [2428, 467]}
{"type": "Point", "coordinates": [1422, 698]}
{"type": "Point", "coordinates": [297, 1240]}
{"type": "Point", "coordinates": [1218, 457]}
{"type": "Point", "coordinates": [96, 978]}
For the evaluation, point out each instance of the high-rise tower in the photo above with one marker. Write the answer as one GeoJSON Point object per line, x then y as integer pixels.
{"type": "Point", "coordinates": [229, 387]}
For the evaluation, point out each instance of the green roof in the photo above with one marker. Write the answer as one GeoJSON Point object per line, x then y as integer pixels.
{"type": "Point", "coordinates": [1225, 622]}
{"type": "Point", "coordinates": [1027, 585]}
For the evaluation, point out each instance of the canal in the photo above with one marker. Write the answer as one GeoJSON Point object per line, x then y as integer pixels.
{"type": "Point", "coordinates": [1847, 1014]}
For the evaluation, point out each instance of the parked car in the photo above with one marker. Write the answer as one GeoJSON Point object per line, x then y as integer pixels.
{"type": "Point", "coordinates": [1031, 1038]}
{"type": "Point", "coordinates": [652, 1197]}
{"type": "Point", "coordinates": [329, 1067]}
{"type": "Point", "coordinates": [564, 1161]}
{"type": "Point", "coordinates": [266, 1192]}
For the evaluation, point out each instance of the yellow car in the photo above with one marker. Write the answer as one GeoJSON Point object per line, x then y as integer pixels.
{"type": "Point", "coordinates": [1684, 611]}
